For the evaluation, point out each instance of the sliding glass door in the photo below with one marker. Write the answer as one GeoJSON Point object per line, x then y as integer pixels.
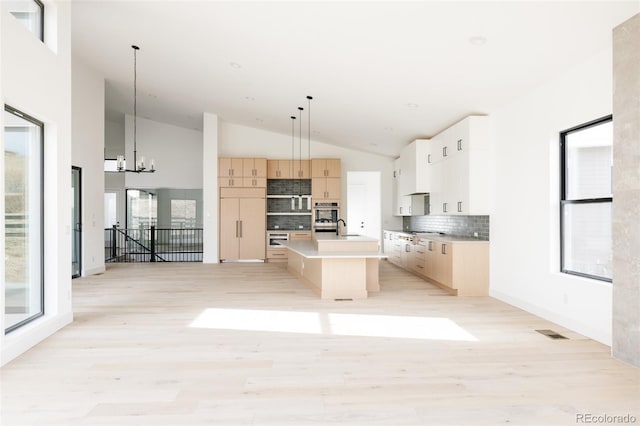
{"type": "Point", "coordinates": [23, 213]}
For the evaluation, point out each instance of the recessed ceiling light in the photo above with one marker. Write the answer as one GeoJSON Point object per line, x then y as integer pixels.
{"type": "Point", "coordinates": [478, 40]}
{"type": "Point", "coordinates": [373, 144]}
{"type": "Point", "coordinates": [388, 129]}
{"type": "Point", "coordinates": [235, 65]}
{"type": "Point", "coordinates": [250, 98]}
{"type": "Point", "coordinates": [259, 120]}
{"type": "Point", "coordinates": [412, 105]}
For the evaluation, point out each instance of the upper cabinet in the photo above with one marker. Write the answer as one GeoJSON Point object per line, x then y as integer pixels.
{"type": "Point", "coordinates": [412, 170]}
{"type": "Point", "coordinates": [242, 172]}
{"type": "Point", "coordinates": [301, 169]}
{"type": "Point", "coordinates": [460, 168]}
{"type": "Point", "coordinates": [279, 169]}
{"type": "Point", "coordinates": [325, 167]}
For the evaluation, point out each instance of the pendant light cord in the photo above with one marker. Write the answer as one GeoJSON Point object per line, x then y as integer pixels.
{"type": "Point", "coordinates": [135, 106]}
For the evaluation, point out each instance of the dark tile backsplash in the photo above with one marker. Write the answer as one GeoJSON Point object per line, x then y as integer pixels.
{"type": "Point", "coordinates": [288, 186]}
{"type": "Point", "coordinates": [463, 226]}
{"type": "Point", "coordinates": [289, 223]}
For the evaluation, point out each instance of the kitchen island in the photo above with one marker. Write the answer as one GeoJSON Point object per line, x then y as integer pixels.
{"type": "Point", "coordinates": [336, 267]}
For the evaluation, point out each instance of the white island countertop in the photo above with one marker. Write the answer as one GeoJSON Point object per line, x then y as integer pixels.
{"type": "Point", "coordinates": [309, 248]}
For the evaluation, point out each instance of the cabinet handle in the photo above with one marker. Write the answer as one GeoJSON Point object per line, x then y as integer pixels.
{"type": "Point", "coordinates": [420, 266]}
{"type": "Point", "coordinates": [407, 248]}
{"type": "Point", "coordinates": [277, 254]}
{"type": "Point", "coordinates": [429, 158]}
{"type": "Point", "coordinates": [237, 233]}
{"type": "Point", "coordinates": [459, 206]}
{"type": "Point", "coordinates": [240, 229]}
{"type": "Point", "coordinates": [409, 209]}
{"type": "Point", "coordinates": [444, 249]}
{"type": "Point", "coordinates": [430, 245]}
{"type": "Point", "coordinates": [444, 151]}
{"type": "Point", "coordinates": [459, 144]}
{"type": "Point", "coordinates": [400, 210]}
{"type": "Point", "coordinates": [394, 173]}
{"type": "Point", "coordinates": [444, 207]}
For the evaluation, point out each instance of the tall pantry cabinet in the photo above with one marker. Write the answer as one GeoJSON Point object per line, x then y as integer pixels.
{"type": "Point", "coordinates": [243, 208]}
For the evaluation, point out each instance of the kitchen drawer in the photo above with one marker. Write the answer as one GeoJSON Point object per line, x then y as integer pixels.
{"type": "Point", "coordinates": [278, 254]}
{"type": "Point", "coordinates": [300, 235]}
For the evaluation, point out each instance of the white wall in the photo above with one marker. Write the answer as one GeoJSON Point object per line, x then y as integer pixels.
{"type": "Point", "coordinates": [242, 141]}
{"type": "Point", "coordinates": [177, 152]}
{"type": "Point", "coordinates": [36, 79]}
{"type": "Point", "coordinates": [87, 153]}
{"type": "Point", "coordinates": [525, 219]}
{"type": "Point", "coordinates": [210, 138]}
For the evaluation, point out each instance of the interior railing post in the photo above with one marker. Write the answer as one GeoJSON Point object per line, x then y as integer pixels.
{"type": "Point", "coordinates": [152, 243]}
{"type": "Point", "coordinates": [114, 246]}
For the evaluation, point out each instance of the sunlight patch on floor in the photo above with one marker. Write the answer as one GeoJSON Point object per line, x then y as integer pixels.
{"type": "Point", "coordinates": [403, 327]}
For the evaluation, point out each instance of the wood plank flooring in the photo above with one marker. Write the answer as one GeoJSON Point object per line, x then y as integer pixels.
{"type": "Point", "coordinates": [248, 344]}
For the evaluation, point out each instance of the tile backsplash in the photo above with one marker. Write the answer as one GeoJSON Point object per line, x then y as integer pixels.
{"type": "Point", "coordinates": [464, 226]}
{"type": "Point", "coordinates": [290, 223]}
{"type": "Point", "coordinates": [288, 186]}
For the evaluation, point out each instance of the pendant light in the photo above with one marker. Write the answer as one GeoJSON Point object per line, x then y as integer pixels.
{"type": "Point", "coordinates": [293, 137]}
{"type": "Point", "coordinates": [300, 109]}
{"type": "Point", "coordinates": [138, 166]}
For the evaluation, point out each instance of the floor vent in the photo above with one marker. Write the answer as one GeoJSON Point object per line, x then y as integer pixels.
{"type": "Point", "coordinates": [551, 334]}
{"type": "Point", "coordinates": [343, 300]}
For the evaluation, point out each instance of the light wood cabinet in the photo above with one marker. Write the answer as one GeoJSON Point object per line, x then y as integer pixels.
{"type": "Point", "coordinates": [325, 167]}
{"type": "Point", "coordinates": [300, 235]}
{"type": "Point", "coordinates": [325, 189]}
{"type": "Point", "coordinates": [301, 169]}
{"type": "Point", "coordinates": [461, 267]}
{"type": "Point", "coordinates": [441, 266]}
{"type": "Point", "coordinates": [242, 172]}
{"type": "Point", "coordinates": [279, 169]}
{"type": "Point", "coordinates": [254, 167]}
{"type": "Point", "coordinates": [230, 167]}
{"type": "Point", "coordinates": [242, 223]}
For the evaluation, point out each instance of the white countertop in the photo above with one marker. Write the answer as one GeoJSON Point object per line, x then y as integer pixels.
{"type": "Point", "coordinates": [307, 248]}
{"type": "Point", "coordinates": [328, 236]}
{"type": "Point", "coordinates": [438, 237]}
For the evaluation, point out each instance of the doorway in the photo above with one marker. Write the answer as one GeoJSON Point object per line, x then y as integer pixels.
{"type": "Point", "coordinates": [363, 204]}
{"type": "Point", "coordinates": [76, 221]}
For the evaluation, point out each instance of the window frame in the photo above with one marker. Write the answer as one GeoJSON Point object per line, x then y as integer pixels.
{"type": "Point", "coordinates": [584, 201]}
{"type": "Point", "coordinates": [40, 6]}
{"type": "Point", "coordinates": [41, 124]}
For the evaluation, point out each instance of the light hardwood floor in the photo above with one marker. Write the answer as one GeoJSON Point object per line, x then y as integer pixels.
{"type": "Point", "coordinates": [248, 344]}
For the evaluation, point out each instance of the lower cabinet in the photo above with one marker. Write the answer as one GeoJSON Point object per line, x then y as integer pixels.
{"type": "Point", "coordinates": [460, 267]}
{"type": "Point", "coordinates": [242, 224]}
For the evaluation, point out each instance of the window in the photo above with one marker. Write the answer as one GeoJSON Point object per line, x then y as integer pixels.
{"type": "Point", "coordinates": [23, 187]}
{"type": "Point", "coordinates": [110, 165]}
{"type": "Point", "coordinates": [586, 198]}
{"type": "Point", "coordinates": [183, 213]}
{"type": "Point", "coordinates": [29, 12]}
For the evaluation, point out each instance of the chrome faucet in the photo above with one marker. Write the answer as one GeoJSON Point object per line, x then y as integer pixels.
{"type": "Point", "coordinates": [338, 225]}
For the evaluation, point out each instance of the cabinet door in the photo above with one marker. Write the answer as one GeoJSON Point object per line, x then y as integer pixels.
{"type": "Point", "coordinates": [286, 171]}
{"type": "Point", "coordinates": [254, 182]}
{"type": "Point", "coordinates": [428, 258]}
{"type": "Point", "coordinates": [304, 169]}
{"type": "Point", "coordinates": [333, 188]}
{"type": "Point", "coordinates": [273, 168]}
{"type": "Point", "coordinates": [318, 167]}
{"type": "Point", "coordinates": [260, 166]}
{"type": "Point", "coordinates": [248, 169]}
{"type": "Point", "coordinates": [224, 167]}
{"type": "Point", "coordinates": [230, 182]}
{"type": "Point", "coordinates": [318, 189]}
{"type": "Point", "coordinates": [333, 167]}
{"type": "Point", "coordinates": [252, 228]}
{"type": "Point", "coordinates": [442, 263]}
{"type": "Point", "coordinates": [229, 228]}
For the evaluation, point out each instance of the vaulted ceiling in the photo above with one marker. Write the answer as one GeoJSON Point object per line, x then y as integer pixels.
{"type": "Point", "coordinates": [381, 73]}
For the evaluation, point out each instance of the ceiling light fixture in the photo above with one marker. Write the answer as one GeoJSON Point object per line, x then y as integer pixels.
{"type": "Point", "coordinates": [138, 166]}
{"type": "Point", "coordinates": [478, 40]}
{"type": "Point", "coordinates": [235, 65]}
{"type": "Point", "coordinates": [412, 105]}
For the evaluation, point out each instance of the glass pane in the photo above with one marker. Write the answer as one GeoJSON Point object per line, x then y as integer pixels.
{"type": "Point", "coordinates": [75, 223]}
{"type": "Point", "coordinates": [183, 213]}
{"type": "Point", "coordinates": [589, 162]}
{"type": "Point", "coordinates": [23, 219]}
{"type": "Point", "coordinates": [110, 165]}
{"type": "Point", "coordinates": [587, 239]}
{"type": "Point", "coordinates": [28, 12]}
{"type": "Point", "coordinates": [142, 209]}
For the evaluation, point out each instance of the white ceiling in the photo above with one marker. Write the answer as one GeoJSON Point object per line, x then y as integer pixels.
{"type": "Point", "coordinates": [363, 62]}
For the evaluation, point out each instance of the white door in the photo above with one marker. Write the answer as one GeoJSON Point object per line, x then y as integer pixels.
{"type": "Point", "coordinates": [363, 204]}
